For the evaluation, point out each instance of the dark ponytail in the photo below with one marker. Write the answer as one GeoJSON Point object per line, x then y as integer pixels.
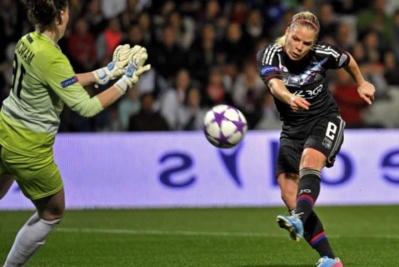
{"type": "Point", "coordinates": [44, 12]}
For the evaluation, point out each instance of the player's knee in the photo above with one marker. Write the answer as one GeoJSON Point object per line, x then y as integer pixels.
{"type": "Point", "coordinates": [313, 159]}
{"type": "Point", "coordinates": [56, 218]}
{"type": "Point", "coordinates": [3, 192]}
{"type": "Point", "coordinates": [5, 184]}
{"type": "Point", "coordinates": [52, 215]}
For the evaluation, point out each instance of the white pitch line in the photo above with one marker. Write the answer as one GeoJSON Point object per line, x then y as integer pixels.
{"type": "Point", "coordinates": [195, 233]}
{"type": "Point", "coordinates": [160, 232]}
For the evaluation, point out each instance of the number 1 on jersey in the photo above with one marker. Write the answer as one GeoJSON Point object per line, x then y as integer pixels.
{"type": "Point", "coordinates": [18, 73]}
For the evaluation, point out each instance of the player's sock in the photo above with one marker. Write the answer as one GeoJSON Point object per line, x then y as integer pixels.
{"type": "Point", "coordinates": [308, 191]}
{"type": "Point", "coordinates": [291, 212]}
{"type": "Point", "coordinates": [315, 236]}
{"type": "Point", "coordinates": [28, 240]}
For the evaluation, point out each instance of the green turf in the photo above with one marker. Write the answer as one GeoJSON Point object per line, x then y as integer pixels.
{"type": "Point", "coordinates": [233, 237]}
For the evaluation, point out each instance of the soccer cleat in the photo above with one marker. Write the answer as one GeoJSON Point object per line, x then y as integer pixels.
{"type": "Point", "coordinates": [328, 262]}
{"type": "Point", "coordinates": [292, 224]}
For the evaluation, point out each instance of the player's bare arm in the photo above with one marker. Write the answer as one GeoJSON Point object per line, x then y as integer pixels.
{"type": "Point", "coordinates": [278, 89]}
{"type": "Point", "coordinates": [86, 78]}
{"type": "Point", "coordinates": [365, 89]}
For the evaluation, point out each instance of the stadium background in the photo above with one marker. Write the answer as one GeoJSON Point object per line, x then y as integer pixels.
{"type": "Point", "coordinates": [203, 54]}
{"type": "Point", "coordinates": [170, 199]}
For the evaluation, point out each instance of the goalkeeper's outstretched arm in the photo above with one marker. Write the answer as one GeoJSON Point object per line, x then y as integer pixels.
{"type": "Point", "coordinates": [89, 107]}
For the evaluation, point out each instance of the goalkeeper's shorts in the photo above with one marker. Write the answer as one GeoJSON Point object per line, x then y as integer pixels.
{"type": "Point", "coordinates": [37, 177]}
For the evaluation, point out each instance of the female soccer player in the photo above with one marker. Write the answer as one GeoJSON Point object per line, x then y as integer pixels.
{"type": "Point", "coordinates": [43, 80]}
{"type": "Point", "coordinates": [294, 69]}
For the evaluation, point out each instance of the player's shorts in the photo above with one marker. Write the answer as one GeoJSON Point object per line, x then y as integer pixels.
{"type": "Point", "coordinates": [324, 134]}
{"type": "Point", "coordinates": [37, 177]}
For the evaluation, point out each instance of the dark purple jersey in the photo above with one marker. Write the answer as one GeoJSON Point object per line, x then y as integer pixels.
{"type": "Point", "coordinates": [306, 78]}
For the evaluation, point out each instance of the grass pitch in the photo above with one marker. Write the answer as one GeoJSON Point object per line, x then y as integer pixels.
{"type": "Point", "coordinates": [215, 237]}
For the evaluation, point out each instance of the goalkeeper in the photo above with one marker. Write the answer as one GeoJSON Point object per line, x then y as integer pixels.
{"type": "Point", "coordinates": [43, 81]}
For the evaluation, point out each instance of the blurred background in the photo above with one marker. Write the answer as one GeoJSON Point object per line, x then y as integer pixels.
{"type": "Point", "coordinates": [153, 152]}
{"type": "Point", "coordinates": [203, 53]}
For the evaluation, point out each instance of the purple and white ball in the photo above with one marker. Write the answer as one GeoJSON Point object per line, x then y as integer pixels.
{"type": "Point", "coordinates": [224, 126]}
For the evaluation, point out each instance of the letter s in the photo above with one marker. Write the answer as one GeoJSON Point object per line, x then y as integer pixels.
{"type": "Point", "coordinates": [390, 163]}
{"type": "Point", "coordinates": [185, 163]}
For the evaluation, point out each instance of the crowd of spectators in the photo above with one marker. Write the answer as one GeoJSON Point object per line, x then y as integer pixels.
{"type": "Point", "coordinates": [203, 52]}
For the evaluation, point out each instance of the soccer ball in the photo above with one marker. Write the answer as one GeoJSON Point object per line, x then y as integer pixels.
{"type": "Point", "coordinates": [224, 126]}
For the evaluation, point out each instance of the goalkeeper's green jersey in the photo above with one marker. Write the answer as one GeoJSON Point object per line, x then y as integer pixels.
{"type": "Point", "coordinates": [43, 80]}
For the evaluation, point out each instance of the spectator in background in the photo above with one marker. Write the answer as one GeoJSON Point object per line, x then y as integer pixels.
{"type": "Point", "coordinates": [11, 24]}
{"type": "Point", "coordinates": [253, 28]}
{"type": "Point", "coordinates": [342, 36]}
{"type": "Point", "coordinates": [191, 114]}
{"type": "Point", "coordinates": [239, 12]}
{"type": "Point", "coordinates": [184, 28]}
{"type": "Point", "coordinates": [147, 119]}
{"type": "Point", "coordinates": [129, 15]}
{"type": "Point", "coordinates": [171, 100]}
{"type": "Point", "coordinates": [81, 46]}
{"type": "Point", "coordinates": [215, 91]}
{"type": "Point", "coordinates": [376, 19]}
{"type": "Point", "coordinates": [281, 24]}
{"type": "Point", "coordinates": [192, 22]}
{"type": "Point", "coordinates": [205, 53]}
{"type": "Point", "coordinates": [128, 106]}
{"type": "Point", "coordinates": [372, 47]}
{"type": "Point", "coordinates": [235, 46]}
{"type": "Point", "coordinates": [269, 117]}
{"type": "Point", "coordinates": [372, 72]}
{"type": "Point", "coordinates": [350, 104]}
{"type": "Point", "coordinates": [373, 57]}
{"type": "Point", "coordinates": [167, 56]}
{"type": "Point", "coordinates": [159, 17]}
{"type": "Point", "coordinates": [327, 20]}
{"type": "Point", "coordinates": [230, 73]}
{"type": "Point", "coordinates": [145, 25]}
{"type": "Point", "coordinates": [346, 7]}
{"type": "Point", "coordinates": [213, 14]}
{"type": "Point", "coordinates": [134, 35]}
{"type": "Point", "coordinates": [112, 8]}
{"type": "Point", "coordinates": [395, 43]}
{"type": "Point", "coordinates": [391, 68]}
{"type": "Point", "coordinates": [108, 40]}
{"type": "Point", "coordinates": [6, 70]}
{"type": "Point", "coordinates": [92, 13]}
{"type": "Point", "coordinates": [246, 92]}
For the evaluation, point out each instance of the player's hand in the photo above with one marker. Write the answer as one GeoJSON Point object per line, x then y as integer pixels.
{"type": "Point", "coordinates": [134, 70]}
{"type": "Point", "coordinates": [366, 91]}
{"type": "Point", "coordinates": [117, 67]}
{"type": "Point", "coordinates": [298, 103]}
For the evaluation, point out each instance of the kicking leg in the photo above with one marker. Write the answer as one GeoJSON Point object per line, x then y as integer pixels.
{"type": "Point", "coordinates": [316, 237]}
{"type": "Point", "coordinates": [32, 235]}
{"type": "Point", "coordinates": [309, 188]}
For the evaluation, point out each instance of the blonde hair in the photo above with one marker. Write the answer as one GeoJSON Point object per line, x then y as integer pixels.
{"type": "Point", "coordinates": [305, 18]}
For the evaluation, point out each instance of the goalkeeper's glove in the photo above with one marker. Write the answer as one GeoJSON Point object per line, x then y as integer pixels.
{"type": "Point", "coordinates": [117, 67]}
{"type": "Point", "coordinates": [134, 70]}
